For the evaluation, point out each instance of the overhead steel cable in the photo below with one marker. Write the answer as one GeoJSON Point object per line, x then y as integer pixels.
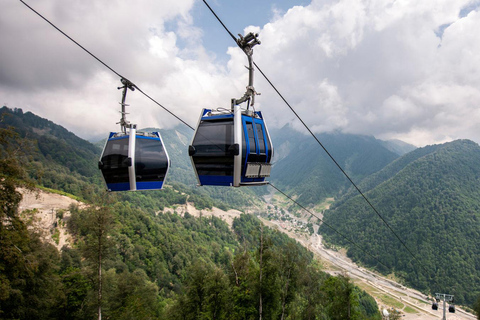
{"type": "Point", "coordinates": [328, 225]}
{"type": "Point", "coordinates": [71, 39]}
{"type": "Point", "coordinates": [185, 123]}
{"type": "Point", "coordinates": [177, 117]}
{"type": "Point", "coordinates": [321, 145]}
{"type": "Point", "coordinates": [105, 65]}
{"type": "Point", "coordinates": [221, 22]}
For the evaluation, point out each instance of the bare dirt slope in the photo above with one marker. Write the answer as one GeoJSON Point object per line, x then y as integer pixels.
{"type": "Point", "coordinates": [227, 216]}
{"type": "Point", "coordinates": [42, 208]}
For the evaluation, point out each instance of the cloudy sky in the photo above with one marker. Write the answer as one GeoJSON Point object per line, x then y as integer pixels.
{"type": "Point", "coordinates": [395, 69]}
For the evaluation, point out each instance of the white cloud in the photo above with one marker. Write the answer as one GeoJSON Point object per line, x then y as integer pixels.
{"type": "Point", "coordinates": [393, 76]}
{"type": "Point", "coordinates": [44, 72]}
{"type": "Point", "coordinates": [395, 69]}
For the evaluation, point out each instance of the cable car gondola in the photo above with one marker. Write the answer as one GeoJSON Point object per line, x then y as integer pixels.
{"type": "Point", "coordinates": [451, 308]}
{"type": "Point", "coordinates": [133, 160]}
{"type": "Point", "coordinates": [435, 305]}
{"type": "Point", "coordinates": [232, 147]}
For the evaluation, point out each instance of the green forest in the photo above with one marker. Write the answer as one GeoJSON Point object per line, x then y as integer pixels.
{"type": "Point", "coordinates": [306, 172]}
{"type": "Point", "coordinates": [431, 198]}
{"type": "Point", "coordinates": [136, 261]}
{"type": "Point", "coordinates": [131, 261]}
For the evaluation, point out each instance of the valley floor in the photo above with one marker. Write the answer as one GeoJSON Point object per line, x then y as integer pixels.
{"type": "Point", "coordinates": [388, 293]}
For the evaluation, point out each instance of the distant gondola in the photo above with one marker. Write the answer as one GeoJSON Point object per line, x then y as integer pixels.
{"type": "Point", "coordinates": [451, 308]}
{"type": "Point", "coordinates": [435, 306]}
{"type": "Point", "coordinates": [133, 160]}
{"type": "Point", "coordinates": [232, 147]}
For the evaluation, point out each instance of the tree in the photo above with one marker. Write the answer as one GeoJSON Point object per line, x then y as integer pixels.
{"type": "Point", "coordinates": [206, 295]}
{"type": "Point", "coordinates": [27, 266]}
{"type": "Point", "coordinates": [94, 225]}
{"type": "Point", "coordinates": [290, 264]}
{"type": "Point", "coordinates": [12, 173]}
{"type": "Point", "coordinates": [310, 296]}
{"type": "Point", "coordinates": [341, 300]}
{"type": "Point", "coordinates": [244, 278]}
{"type": "Point", "coordinates": [476, 307]}
{"type": "Point", "coordinates": [268, 260]}
{"type": "Point", "coordinates": [76, 288]}
{"type": "Point", "coordinates": [217, 293]}
{"type": "Point", "coordinates": [130, 296]}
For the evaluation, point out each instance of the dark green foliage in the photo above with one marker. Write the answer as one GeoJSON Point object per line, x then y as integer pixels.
{"type": "Point", "coordinates": [206, 294]}
{"type": "Point", "coordinates": [431, 198]}
{"type": "Point", "coordinates": [271, 276]}
{"type": "Point", "coordinates": [476, 307]}
{"type": "Point", "coordinates": [57, 158]}
{"type": "Point", "coordinates": [29, 285]}
{"type": "Point", "coordinates": [345, 301]}
{"type": "Point", "coordinates": [76, 288]}
{"type": "Point", "coordinates": [367, 305]}
{"type": "Point", "coordinates": [340, 296]}
{"type": "Point", "coordinates": [309, 302]}
{"type": "Point", "coordinates": [387, 172]}
{"type": "Point", "coordinates": [130, 296]}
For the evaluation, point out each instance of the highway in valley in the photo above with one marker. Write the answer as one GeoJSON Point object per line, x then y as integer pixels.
{"type": "Point", "coordinates": [389, 294]}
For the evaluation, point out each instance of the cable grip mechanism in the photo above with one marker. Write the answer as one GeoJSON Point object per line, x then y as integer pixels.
{"type": "Point", "coordinates": [124, 124]}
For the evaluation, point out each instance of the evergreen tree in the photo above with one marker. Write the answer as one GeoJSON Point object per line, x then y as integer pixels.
{"type": "Point", "coordinates": [94, 226]}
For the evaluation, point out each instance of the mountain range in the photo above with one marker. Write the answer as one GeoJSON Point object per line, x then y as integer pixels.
{"type": "Point", "coordinates": [147, 260]}
{"type": "Point", "coordinates": [430, 197]}
{"type": "Point", "coordinates": [427, 195]}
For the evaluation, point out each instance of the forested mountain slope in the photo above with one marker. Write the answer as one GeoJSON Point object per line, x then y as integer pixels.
{"type": "Point", "coordinates": [397, 146]}
{"type": "Point", "coordinates": [303, 169]}
{"type": "Point", "coordinates": [431, 198]}
{"type": "Point", "coordinates": [148, 264]}
{"type": "Point", "coordinates": [57, 158]}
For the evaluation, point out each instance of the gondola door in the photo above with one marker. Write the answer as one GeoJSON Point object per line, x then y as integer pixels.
{"type": "Point", "coordinates": [256, 151]}
{"type": "Point", "coordinates": [213, 149]}
{"type": "Point", "coordinates": [116, 162]}
{"type": "Point", "coordinates": [151, 162]}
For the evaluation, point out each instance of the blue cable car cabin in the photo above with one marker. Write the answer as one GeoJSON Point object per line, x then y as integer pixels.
{"type": "Point", "coordinates": [134, 161]}
{"type": "Point", "coordinates": [231, 148]}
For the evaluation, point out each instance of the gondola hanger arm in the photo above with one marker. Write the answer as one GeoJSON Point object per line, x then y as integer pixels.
{"type": "Point", "coordinates": [127, 84]}
{"type": "Point", "coordinates": [246, 44]}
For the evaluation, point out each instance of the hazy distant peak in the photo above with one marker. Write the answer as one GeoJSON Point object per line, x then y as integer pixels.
{"type": "Point", "coordinates": [398, 146]}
